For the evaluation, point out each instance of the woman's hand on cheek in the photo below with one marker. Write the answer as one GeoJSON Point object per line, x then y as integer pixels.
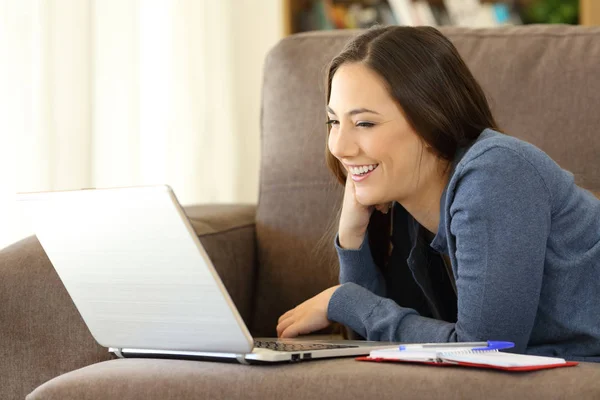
{"type": "Point", "coordinates": [355, 217]}
{"type": "Point", "coordinates": [307, 317]}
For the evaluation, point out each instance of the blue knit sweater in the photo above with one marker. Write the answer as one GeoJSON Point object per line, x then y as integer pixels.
{"type": "Point", "coordinates": [524, 246]}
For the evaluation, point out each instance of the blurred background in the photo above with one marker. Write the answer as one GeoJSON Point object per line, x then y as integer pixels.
{"type": "Point", "coordinates": [308, 15]}
{"type": "Point", "coordinates": [104, 93]}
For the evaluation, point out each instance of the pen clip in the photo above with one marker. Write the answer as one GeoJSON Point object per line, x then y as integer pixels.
{"type": "Point", "coordinates": [495, 345]}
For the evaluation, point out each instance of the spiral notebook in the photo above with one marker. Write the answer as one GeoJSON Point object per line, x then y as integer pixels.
{"type": "Point", "coordinates": [467, 356]}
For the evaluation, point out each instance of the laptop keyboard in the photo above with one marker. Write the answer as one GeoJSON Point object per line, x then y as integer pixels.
{"type": "Point", "coordinates": [280, 346]}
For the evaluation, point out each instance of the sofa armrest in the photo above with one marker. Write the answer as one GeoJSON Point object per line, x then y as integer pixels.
{"type": "Point", "coordinates": [228, 236]}
{"type": "Point", "coordinates": [42, 334]}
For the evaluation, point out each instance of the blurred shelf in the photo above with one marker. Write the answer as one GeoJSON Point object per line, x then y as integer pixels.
{"type": "Point", "coordinates": [589, 10]}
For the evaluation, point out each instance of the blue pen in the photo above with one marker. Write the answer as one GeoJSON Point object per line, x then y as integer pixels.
{"type": "Point", "coordinates": [475, 346]}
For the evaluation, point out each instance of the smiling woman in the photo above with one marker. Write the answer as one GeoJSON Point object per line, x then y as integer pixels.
{"type": "Point", "coordinates": [490, 238]}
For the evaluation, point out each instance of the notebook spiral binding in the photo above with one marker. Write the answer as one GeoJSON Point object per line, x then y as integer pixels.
{"type": "Point", "coordinates": [440, 356]}
{"type": "Point", "coordinates": [469, 351]}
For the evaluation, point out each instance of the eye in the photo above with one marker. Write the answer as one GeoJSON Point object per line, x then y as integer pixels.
{"type": "Point", "coordinates": [365, 124]}
{"type": "Point", "coordinates": [332, 122]}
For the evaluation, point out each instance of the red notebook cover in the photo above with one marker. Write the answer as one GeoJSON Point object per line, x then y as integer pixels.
{"type": "Point", "coordinates": [472, 365]}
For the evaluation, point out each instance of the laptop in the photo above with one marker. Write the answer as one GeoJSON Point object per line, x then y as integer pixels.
{"type": "Point", "coordinates": [144, 285]}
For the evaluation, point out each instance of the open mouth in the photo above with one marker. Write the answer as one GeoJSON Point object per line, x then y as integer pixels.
{"type": "Point", "coordinates": [362, 172]}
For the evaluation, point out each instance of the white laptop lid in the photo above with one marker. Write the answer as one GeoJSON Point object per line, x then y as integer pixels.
{"type": "Point", "coordinates": [136, 270]}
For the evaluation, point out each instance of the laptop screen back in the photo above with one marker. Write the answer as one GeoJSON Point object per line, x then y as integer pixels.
{"type": "Point", "coordinates": [136, 270]}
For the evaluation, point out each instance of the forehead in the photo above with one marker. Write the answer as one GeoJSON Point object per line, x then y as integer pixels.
{"type": "Point", "coordinates": [357, 82]}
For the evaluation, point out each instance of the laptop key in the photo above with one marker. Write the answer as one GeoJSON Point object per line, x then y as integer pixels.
{"type": "Point", "coordinates": [280, 346]}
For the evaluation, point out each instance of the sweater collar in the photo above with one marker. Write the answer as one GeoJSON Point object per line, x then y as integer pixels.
{"type": "Point", "coordinates": [440, 242]}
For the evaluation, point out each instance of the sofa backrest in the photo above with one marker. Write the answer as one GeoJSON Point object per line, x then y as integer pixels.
{"type": "Point", "coordinates": [543, 84]}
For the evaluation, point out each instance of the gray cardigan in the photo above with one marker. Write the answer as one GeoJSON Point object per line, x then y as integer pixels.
{"type": "Point", "coordinates": [524, 244]}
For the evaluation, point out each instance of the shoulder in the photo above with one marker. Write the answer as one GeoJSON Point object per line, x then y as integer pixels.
{"type": "Point", "coordinates": [500, 169]}
{"type": "Point", "coordinates": [499, 159]}
{"type": "Point", "coordinates": [494, 148]}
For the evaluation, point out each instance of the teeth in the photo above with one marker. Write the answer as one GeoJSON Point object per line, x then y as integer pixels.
{"type": "Point", "coordinates": [363, 169]}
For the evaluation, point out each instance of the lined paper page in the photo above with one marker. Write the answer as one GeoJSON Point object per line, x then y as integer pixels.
{"type": "Point", "coordinates": [501, 359]}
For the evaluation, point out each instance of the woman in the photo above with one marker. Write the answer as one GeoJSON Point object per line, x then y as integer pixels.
{"type": "Point", "coordinates": [490, 239]}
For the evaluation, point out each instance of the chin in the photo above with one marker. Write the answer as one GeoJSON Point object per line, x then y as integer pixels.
{"type": "Point", "coordinates": [366, 199]}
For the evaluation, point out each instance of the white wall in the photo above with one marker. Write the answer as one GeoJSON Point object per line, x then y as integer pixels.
{"type": "Point", "coordinates": [255, 31]}
{"type": "Point", "coordinates": [245, 31]}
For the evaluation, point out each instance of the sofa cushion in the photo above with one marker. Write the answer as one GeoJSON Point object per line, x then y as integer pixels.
{"type": "Point", "coordinates": [226, 232]}
{"type": "Point", "coordinates": [346, 379]}
{"type": "Point", "coordinates": [41, 333]}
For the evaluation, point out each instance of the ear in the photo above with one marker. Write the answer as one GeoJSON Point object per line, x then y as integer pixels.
{"type": "Point", "coordinates": [428, 147]}
{"type": "Point", "coordinates": [425, 145]}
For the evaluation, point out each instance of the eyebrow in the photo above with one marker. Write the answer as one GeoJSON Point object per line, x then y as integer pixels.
{"type": "Point", "coordinates": [354, 112]}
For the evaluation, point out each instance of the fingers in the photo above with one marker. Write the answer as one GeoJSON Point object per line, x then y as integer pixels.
{"type": "Point", "coordinates": [294, 328]}
{"type": "Point", "coordinates": [285, 320]}
{"type": "Point", "coordinates": [284, 324]}
{"type": "Point", "coordinates": [291, 332]}
{"type": "Point", "coordinates": [350, 192]}
{"type": "Point", "coordinates": [286, 315]}
{"type": "Point", "coordinates": [349, 188]}
{"type": "Point", "coordinates": [301, 326]}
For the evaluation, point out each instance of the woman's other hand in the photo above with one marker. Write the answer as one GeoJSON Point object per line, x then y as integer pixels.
{"type": "Point", "coordinates": [307, 317]}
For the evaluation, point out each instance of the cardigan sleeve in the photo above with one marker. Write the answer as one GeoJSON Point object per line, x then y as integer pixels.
{"type": "Point", "coordinates": [357, 266]}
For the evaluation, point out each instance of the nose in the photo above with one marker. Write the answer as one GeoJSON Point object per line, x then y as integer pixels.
{"type": "Point", "coordinates": [342, 144]}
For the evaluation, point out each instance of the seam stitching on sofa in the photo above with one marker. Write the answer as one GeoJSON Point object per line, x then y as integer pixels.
{"type": "Point", "coordinates": [227, 230]}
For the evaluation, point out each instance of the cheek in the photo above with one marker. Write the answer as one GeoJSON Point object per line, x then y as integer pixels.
{"type": "Point", "coordinates": [401, 158]}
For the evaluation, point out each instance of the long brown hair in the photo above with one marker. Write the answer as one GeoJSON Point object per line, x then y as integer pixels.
{"type": "Point", "coordinates": [431, 83]}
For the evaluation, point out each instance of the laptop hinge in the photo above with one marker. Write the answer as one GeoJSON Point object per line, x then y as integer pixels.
{"type": "Point", "coordinates": [241, 358]}
{"type": "Point", "coordinates": [117, 352]}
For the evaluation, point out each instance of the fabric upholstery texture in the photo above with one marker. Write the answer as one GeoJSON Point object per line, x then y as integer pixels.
{"type": "Point", "coordinates": [343, 379]}
{"type": "Point", "coordinates": [227, 234]}
{"type": "Point", "coordinates": [41, 333]}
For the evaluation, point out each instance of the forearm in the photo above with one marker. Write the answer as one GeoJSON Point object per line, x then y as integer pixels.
{"type": "Point", "coordinates": [381, 319]}
{"type": "Point", "coordinates": [357, 266]}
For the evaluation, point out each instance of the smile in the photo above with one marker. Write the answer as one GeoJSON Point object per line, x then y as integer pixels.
{"type": "Point", "coordinates": [363, 172]}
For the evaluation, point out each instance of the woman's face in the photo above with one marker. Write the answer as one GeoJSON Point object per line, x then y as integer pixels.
{"type": "Point", "coordinates": [370, 133]}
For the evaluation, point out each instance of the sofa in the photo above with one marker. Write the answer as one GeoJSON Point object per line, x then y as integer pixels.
{"type": "Point", "coordinates": [543, 83]}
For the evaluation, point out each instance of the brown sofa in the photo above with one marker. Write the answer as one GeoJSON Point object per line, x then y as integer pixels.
{"type": "Point", "coordinates": [544, 86]}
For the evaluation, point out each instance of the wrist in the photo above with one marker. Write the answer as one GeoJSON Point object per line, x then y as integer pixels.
{"type": "Point", "coordinates": [351, 241]}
